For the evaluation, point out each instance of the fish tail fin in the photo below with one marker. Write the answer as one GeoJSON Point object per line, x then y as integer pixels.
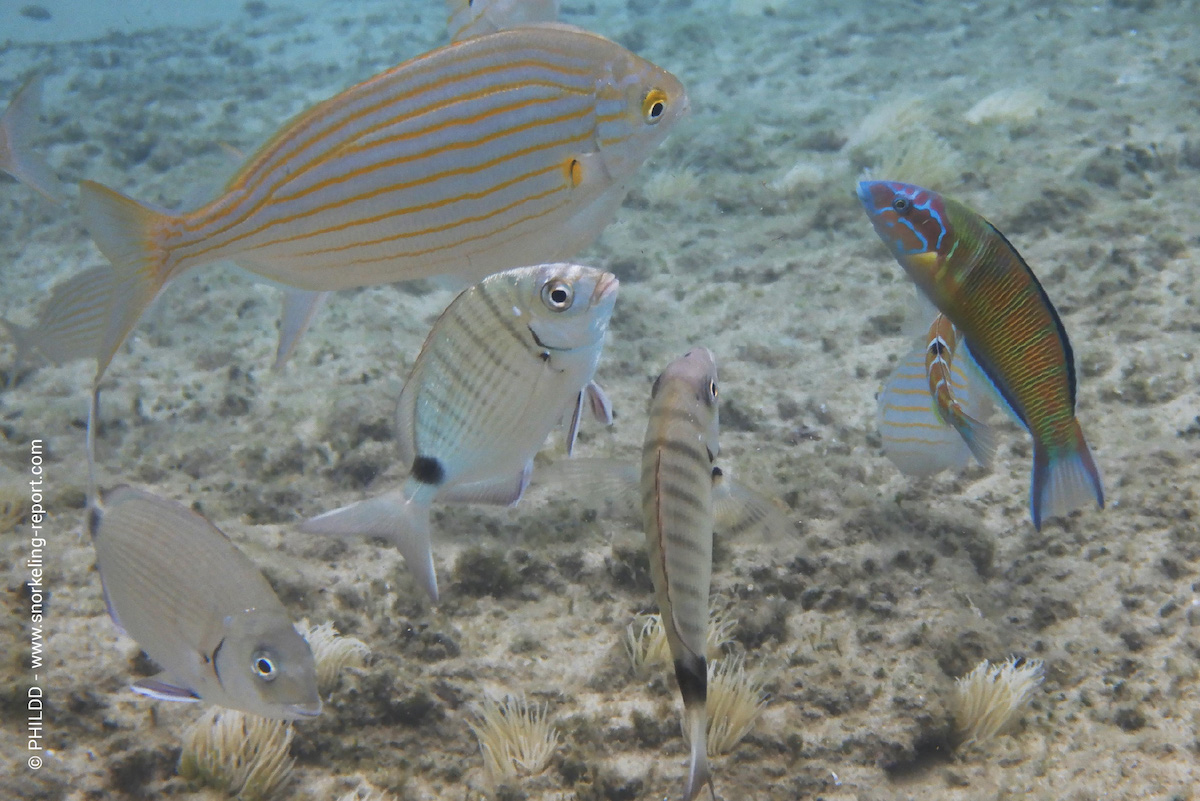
{"type": "Point", "coordinates": [394, 517]}
{"type": "Point", "coordinates": [978, 437]}
{"type": "Point", "coordinates": [692, 674]}
{"type": "Point", "coordinates": [19, 125]}
{"type": "Point", "coordinates": [127, 232]}
{"type": "Point", "coordinates": [1064, 480]}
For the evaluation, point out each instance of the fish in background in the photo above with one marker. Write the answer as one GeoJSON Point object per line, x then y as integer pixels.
{"type": "Point", "coordinates": [508, 149]}
{"type": "Point", "coordinates": [18, 127]}
{"type": "Point", "coordinates": [469, 18]}
{"type": "Point", "coordinates": [677, 510]}
{"type": "Point", "coordinates": [508, 360]}
{"type": "Point", "coordinates": [974, 276]}
{"type": "Point", "coordinates": [197, 606]}
{"type": "Point", "coordinates": [931, 409]}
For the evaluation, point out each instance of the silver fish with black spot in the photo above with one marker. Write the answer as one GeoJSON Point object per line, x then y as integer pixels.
{"type": "Point", "coordinates": [510, 358]}
{"type": "Point", "coordinates": [677, 508]}
{"type": "Point", "coordinates": [199, 608]}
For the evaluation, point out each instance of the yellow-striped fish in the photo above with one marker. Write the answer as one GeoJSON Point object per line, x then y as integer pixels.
{"type": "Point", "coordinates": [502, 366]}
{"type": "Point", "coordinates": [17, 129]}
{"type": "Point", "coordinates": [677, 509]}
{"type": "Point", "coordinates": [469, 18]}
{"type": "Point", "coordinates": [507, 149]}
{"type": "Point", "coordinates": [199, 608]}
{"type": "Point", "coordinates": [931, 408]}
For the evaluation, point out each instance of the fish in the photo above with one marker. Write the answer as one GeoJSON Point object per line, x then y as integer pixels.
{"type": "Point", "coordinates": [974, 276]}
{"type": "Point", "coordinates": [67, 321]}
{"type": "Point", "coordinates": [506, 362]}
{"type": "Point", "coordinates": [508, 149]}
{"type": "Point", "coordinates": [677, 477]}
{"type": "Point", "coordinates": [467, 18]}
{"type": "Point", "coordinates": [18, 126]}
{"type": "Point", "coordinates": [198, 607]}
{"type": "Point", "coordinates": [927, 403]}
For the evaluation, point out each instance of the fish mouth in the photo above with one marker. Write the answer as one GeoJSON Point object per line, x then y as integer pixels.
{"type": "Point", "coordinates": [605, 287]}
{"type": "Point", "coordinates": [307, 710]}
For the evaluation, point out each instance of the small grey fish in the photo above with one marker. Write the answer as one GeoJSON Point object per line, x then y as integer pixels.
{"type": "Point", "coordinates": [18, 126]}
{"type": "Point", "coordinates": [199, 608]}
{"type": "Point", "coordinates": [677, 508]}
{"type": "Point", "coordinates": [508, 359]}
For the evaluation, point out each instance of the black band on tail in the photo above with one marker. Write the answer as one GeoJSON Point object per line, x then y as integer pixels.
{"type": "Point", "coordinates": [692, 674]}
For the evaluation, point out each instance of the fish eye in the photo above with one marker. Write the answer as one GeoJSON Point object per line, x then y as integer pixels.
{"type": "Point", "coordinates": [557, 295]}
{"type": "Point", "coordinates": [264, 667]}
{"type": "Point", "coordinates": [712, 388]}
{"type": "Point", "coordinates": [901, 204]}
{"type": "Point", "coordinates": [654, 105]}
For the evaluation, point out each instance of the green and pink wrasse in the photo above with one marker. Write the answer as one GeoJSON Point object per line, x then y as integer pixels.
{"type": "Point", "coordinates": [979, 281]}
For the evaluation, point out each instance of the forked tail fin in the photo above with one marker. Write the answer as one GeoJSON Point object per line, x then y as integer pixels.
{"type": "Point", "coordinates": [17, 127]}
{"type": "Point", "coordinates": [1063, 481]}
{"type": "Point", "coordinates": [127, 232]}
{"type": "Point", "coordinates": [692, 675]}
{"type": "Point", "coordinates": [393, 517]}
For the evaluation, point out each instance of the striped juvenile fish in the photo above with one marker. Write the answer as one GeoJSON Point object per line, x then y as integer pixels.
{"type": "Point", "coordinates": [502, 366]}
{"type": "Point", "coordinates": [199, 608]}
{"type": "Point", "coordinates": [17, 129]}
{"type": "Point", "coordinates": [930, 409]}
{"type": "Point", "coordinates": [971, 273]}
{"type": "Point", "coordinates": [507, 149]}
{"type": "Point", "coordinates": [677, 510]}
{"type": "Point", "coordinates": [469, 18]}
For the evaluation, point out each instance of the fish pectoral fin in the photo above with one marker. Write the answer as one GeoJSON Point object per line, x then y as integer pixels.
{"type": "Point", "coordinates": [496, 492]}
{"type": "Point", "coordinates": [163, 687]}
{"type": "Point", "coordinates": [393, 517]}
{"type": "Point", "coordinates": [737, 510]}
{"type": "Point", "coordinates": [300, 307]}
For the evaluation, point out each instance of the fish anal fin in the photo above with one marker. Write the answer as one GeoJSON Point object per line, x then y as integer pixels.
{"type": "Point", "coordinates": [300, 307]}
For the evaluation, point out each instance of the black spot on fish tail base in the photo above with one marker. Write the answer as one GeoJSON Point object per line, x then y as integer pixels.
{"type": "Point", "coordinates": [692, 674]}
{"type": "Point", "coordinates": [428, 470]}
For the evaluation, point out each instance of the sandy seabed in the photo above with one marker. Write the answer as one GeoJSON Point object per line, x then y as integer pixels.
{"type": "Point", "coordinates": [742, 234]}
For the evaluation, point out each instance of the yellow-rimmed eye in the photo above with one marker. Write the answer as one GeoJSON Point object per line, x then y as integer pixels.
{"type": "Point", "coordinates": [557, 295]}
{"type": "Point", "coordinates": [263, 667]}
{"type": "Point", "coordinates": [712, 389]}
{"type": "Point", "coordinates": [654, 106]}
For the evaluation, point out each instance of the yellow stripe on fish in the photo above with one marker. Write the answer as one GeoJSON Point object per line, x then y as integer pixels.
{"type": "Point", "coordinates": [503, 365]}
{"type": "Point", "coordinates": [677, 509]}
{"type": "Point", "coordinates": [507, 149]}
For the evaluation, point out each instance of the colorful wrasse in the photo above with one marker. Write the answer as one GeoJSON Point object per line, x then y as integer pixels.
{"type": "Point", "coordinates": [971, 273]}
{"type": "Point", "coordinates": [508, 149]}
{"type": "Point", "coordinates": [930, 410]}
{"type": "Point", "coordinates": [503, 365]}
{"type": "Point", "coordinates": [677, 510]}
{"type": "Point", "coordinates": [469, 18]}
{"type": "Point", "coordinates": [200, 609]}
{"type": "Point", "coordinates": [17, 128]}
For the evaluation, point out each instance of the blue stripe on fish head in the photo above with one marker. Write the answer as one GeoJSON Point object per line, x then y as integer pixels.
{"type": "Point", "coordinates": [909, 219]}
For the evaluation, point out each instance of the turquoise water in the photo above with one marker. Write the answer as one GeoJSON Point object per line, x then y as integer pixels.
{"type": "Point", "coordinates": [741, 233]}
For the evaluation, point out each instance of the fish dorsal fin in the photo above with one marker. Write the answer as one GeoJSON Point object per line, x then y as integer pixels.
{"type": "Point", "coordinates": [163, 687]}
